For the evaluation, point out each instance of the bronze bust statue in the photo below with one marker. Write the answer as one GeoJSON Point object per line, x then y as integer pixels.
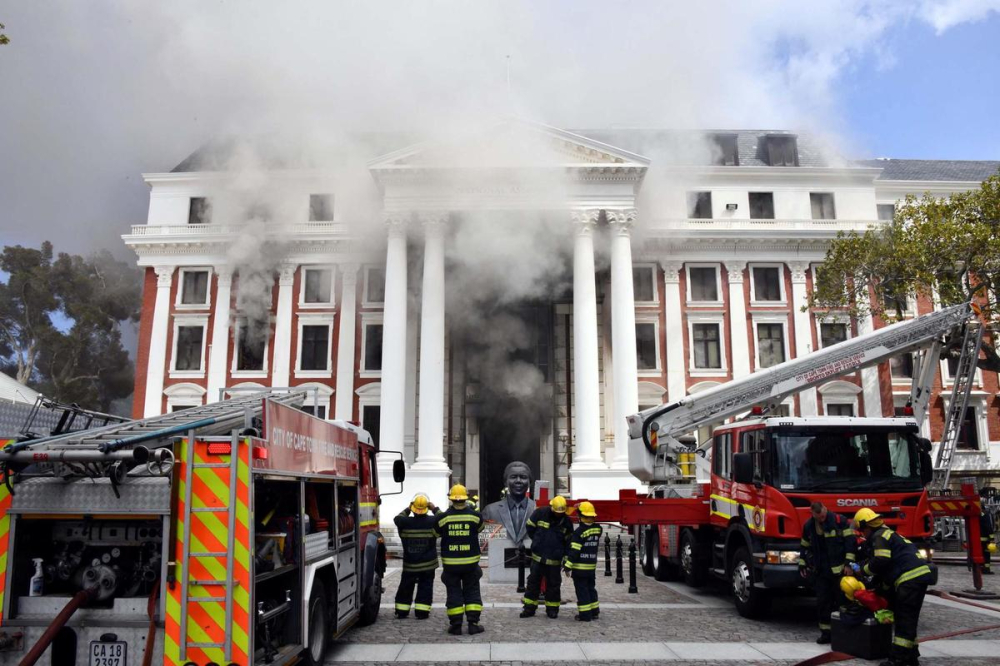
{"type": "Point", "coordinates": [513, 510]}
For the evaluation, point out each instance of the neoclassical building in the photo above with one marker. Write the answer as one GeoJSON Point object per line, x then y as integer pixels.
{"type": "Point", "coordinates": [679, 260]}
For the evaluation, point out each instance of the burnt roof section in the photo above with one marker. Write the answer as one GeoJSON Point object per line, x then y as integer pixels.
{"type": "Point", "coordinates": [944, 170]}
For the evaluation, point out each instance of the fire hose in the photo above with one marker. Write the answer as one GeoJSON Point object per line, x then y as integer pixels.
{"type": "Point", "coordinates": [147, 656]}
{"type": "Point", "coordinates": [81, 598]}
{"type": "Point", "coordinates": [831, 657]}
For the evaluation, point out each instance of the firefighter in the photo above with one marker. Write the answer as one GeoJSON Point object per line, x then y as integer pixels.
{"type": "Point", "coordinates": [549, 529]}
{"type": "Point", "coordinates": [459, 529]}
{"type": "Point", "coordinates": [581, 563]}
{"type": "Point", "coordinates": [896, 568]}
{"type": "Point", "coordinates": [828, 542]}
{"type": "Point", "coordinates": [415, 524]}
{"type": "Point", "coordinates": [987, 535]}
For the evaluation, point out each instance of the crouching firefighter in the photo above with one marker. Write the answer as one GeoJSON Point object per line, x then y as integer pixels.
{"type": "Point", "coordinates": [828, 542]}
{"type": "Point", "coordinates": [581, 563]}
{"type": "Point", "coordinates": [549, 529]}
{"type": "Point", "coordinates": [459, 529]}
{"type": "Point", "coordinates": [416, 530]}
{"type": "Point", "coordinates": [897, 570]}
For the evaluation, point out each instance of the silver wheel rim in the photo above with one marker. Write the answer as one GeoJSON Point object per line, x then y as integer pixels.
{"type": "Point", "coordinates": [687, 558]}
{"type": "Point", "coordinates": [742, 581]}
{"type": "Point", "coordinates": [654, 553]}
{"type": "Point", "coordinates": [317, 633]}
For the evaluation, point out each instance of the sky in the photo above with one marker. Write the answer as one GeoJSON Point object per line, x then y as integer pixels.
{"type": "Point", "coordinates": [94, 94]}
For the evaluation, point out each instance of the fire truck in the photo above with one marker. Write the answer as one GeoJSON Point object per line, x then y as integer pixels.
{"type": "Point", "coordinates": [734, 507]}
{"type": "Point", "coordinates": [237, 533]}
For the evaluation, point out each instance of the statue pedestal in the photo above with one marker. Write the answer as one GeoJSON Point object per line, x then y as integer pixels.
{"type": "Point", "coordinates": [502, 558]}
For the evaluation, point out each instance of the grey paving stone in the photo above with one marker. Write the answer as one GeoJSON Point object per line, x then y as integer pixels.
{"type": "Point", "coordinates": [627, 651]}
{"type": "Point", "coordinates": [967, 648]}
{"type": "Point", "coordinates": [797, 651]}
{"type": "Point", "coordinates": [364, 652]}
{"type": "Point", "coordinates": [434, 652]}
{"type": "Point", "coordinates": [537, 652]}
{"type": "Point", "coordinates": [716, 651]}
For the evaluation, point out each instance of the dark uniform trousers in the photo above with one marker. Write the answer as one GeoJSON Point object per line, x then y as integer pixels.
{"type": "Point", "coordinates": [908, 600]}
{"type": "Point", "coordinates": [585, 584]}
{"type": "Point", "coordinates": [828, 598]}
{"type": "Point", "coordinates": [463, 596]}
{"type": "Point", "coordinates": [551, 573]}
{"type": "Point", "coordinates": [424, 582]}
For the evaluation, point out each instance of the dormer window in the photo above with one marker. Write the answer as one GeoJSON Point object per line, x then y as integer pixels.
{"type": "Point", "coordinates": [199, 211]}
{"type": "Point", "coordinates": [781, 150]}
{"type": "Point", "coordinates": [320, 207]}
{"type": "Point", "coordinates": [725, 152]}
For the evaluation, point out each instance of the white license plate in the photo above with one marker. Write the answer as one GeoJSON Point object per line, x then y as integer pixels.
{"type": "Point", "coordinates": [108, 653]}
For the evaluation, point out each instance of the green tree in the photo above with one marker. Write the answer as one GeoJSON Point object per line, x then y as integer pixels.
{"type": "Point", "coordinates": [945, 248]}
{"type": "Point", "coordinates": [61, 323]}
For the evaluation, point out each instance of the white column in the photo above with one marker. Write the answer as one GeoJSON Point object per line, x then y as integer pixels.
{"type": "Point", "coordinates": [626, 364]}
{"type": "Point", "coordinates": [586, 396]}
{"type": "Point", "coordinates": [281, 375]}
{"type": "Point", "coordinates": [430, 468]}
{"type": "Point", "coordinates": [738, 319]}
{"type": "Point", "coordinates": [676, 359]}
{"type": "Point", "coordinates": [869, 376]}
{"type": "Point", "coordinates": [158, 342]}
{"type": "Point", "coordinates": [393, 400]}
{"type": "Point", "coordinates": [219, 358]}
{"type": "Point", "coordinates": [345, 342]}
{"type": "Point", "coordinates": [803, 334]}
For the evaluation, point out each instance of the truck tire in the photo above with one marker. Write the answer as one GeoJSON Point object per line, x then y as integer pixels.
{"type": "Point", "coordinates": [692, 564]}
{"type": "Point", "coordinates": [372, 600]}
{"type": "Point", "coordinates": [662, 569]}
{"type": "Point", "coordinates": [647, 555]}
{"type": "Point", "coordinates": [751, 601]}
{"type": "Point", "coordinates": [319, 626]}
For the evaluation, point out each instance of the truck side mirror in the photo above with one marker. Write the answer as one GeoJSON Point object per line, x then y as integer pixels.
{"type": "Point", "coordinates": [742, 468]}
{"type": "Point", "coordinates": [926, 468]}
{"type": "Point", "coordinates": [398, 471]}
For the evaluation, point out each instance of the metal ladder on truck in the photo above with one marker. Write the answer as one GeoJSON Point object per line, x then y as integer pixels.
{"type": "Point", "coordinates": [965, 375]}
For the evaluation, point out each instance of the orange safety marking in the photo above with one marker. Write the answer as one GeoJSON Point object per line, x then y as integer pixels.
{"type": "Point", "coordinates": [5, 502]}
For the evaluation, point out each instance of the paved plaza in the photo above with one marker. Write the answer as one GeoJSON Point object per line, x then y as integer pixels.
{"type": "Point", "coordinates": [663, 622]}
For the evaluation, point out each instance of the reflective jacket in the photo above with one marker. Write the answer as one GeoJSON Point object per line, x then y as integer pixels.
{"type": "Point", "coordinates": [583, 548]}
{"type": "Point", "coordinates": [894, 559]}
{"type": "Point", "coordinates": [549, 533]}
{"type": "Point", "coordinates": [459, 531]}
{"type": "Point", "coordinates": [419, 540]}
{"type": "Point", "coordinates": [827, 549]}
{"type": "Point", "coordinates": [987, 531]}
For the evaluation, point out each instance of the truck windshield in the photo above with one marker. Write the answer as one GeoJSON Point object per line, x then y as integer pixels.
{"type": "Point", "coordinates": [838, 459]}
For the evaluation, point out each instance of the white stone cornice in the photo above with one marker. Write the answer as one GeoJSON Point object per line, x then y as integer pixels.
{"type": "Point", "coordinates": [286, 274]}
{"type": "Point", "coordinates": [621, 221]}
{"type": "Point", "coordinates": [349, 274]}
{"type": "Point", "coordinates": [672, 270]}
{"type": "Point", "coordinates": [164, 275]}
{"type": "Point", "coordinates": [798, 269]}
{"type": "Point", "coordinates": [735, 269]}
{"type": "Point", "coordinates": [585, 220]}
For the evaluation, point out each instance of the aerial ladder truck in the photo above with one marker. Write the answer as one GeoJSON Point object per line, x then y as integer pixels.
{"type": "Point", "coordinates": [733, 507]}
{"type": "Point", "coordinates": [237, 533]}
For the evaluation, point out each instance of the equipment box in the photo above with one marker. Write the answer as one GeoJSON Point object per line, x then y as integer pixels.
{"type": "Point", "coordinates": [869, 640]}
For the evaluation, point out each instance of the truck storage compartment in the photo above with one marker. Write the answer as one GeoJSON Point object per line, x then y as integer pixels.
{"type": "Point", "coordinates": [278, 558]}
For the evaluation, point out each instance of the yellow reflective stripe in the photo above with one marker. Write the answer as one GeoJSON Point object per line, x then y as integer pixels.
{"type": "Point", "coordinates": [421, 566]}
{"type": "Point", "coordinates": [824, 627]}
{"type": "Point", "coordinates": [416, 533]}
{"type": "Point", "coordinates": [472, 559]}
{"type": "Point", "coordinates": [531, 522]}
{"type": "Point", "coordinates": [402, 607]}
{"type": "Point", "coordinates": [913, 573]}
{"type": "Point", "coordinates": [867, 570]}
{"type": "Point", "coordinates": [543, 524]}
{"type": "Point", "coordinates": [460, 518]}
{"type": "Point", "coordinates": [848, 532]}
{"type": "Point", "coordinates": [883, 552]}
{"type": "Point", "coordinates": [552, 604]}
{"type": "Point", "coordinates": [529, 602]}
{"type": "Point", "coordinates": [802, 563]}
{"type": "Point", "coordinates": [576, 545]}
{"type": "Point", "coordinates": [590, 532]}
{"type": "Point", "coordinates": [421, 607]}
{"type": "Point", "coordinates": [581, 567]}
{"type": "Point", "coordinates": [850, 557]}
{"type": "Point", "coordinates": [903, 642]}
{"type": "Point", "coordinates": [806, 543]}
{"type": "Point", "coordinates": [837, 569]}
{"type": "Point", "coordinates": [457, 610]}
{"type": "Point", "coordinates": [473, 607]}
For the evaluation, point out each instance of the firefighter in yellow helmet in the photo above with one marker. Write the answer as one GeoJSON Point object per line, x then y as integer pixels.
{"type": "Point", "coordinates": [898, 571]}
{"type": "Point", "coordinates": [415, 524]}
{"type": "Point", "coordinates": [987, 536]}
{"type": "Point", "coordinates": [581, 563]}
{"type": "Point", "coordinates": [549, 529]}
{"type": "Point", "coordinates": [459, 529]}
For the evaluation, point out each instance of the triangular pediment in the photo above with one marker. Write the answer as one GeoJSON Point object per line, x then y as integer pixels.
{"type": "Point", "coordinates": [509, 143]}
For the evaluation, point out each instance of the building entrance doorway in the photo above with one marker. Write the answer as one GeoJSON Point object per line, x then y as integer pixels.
{"type": "Point", "coordinates": [507, 435]}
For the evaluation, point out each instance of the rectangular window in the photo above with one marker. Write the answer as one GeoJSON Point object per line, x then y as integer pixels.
{"type": "Point", "coordinates": [839, 409]}
{"type": "Point", "coordinates": [722, 455]}
{"type": "Point", "coordinates": [645, 341]}
{"type": "Point", "coordinates": [707, 346]}
{"type": "Point", "coordinates": [761, 206]}
{"type": "Point", "coordinates": [373, 347]}
{"type": "Point", "coordinates": [318, 285]}
{"type": "Point", "coordinates": [704, 283]}
{"type": "Point", "coordinates": [642, 284]}
{"type": "Point", "coordinates": [371, 416]}
{"type": "Point", "coordinates": [896, 305]}
{"type": "Point", "coordinates": [320, 207]}
{"type": "Point", "coordinates": [886, 211]}
{"type": "Point", "coordinates": [968, 435]}
{"type": "Point", "coordinates": [194, 288]}
{"type": "Point", "coordinates": [319, 411]}
{"type": "Point", "coordinates": [699, 205]}
{"type": "Point", "coordinates": [250, 346]}
{"type": "Point", "coordinates": [726, 152]}
{"type": "Point", "coordinates": [199, 211]}
{"type": "Point", "coordinates": [832, 333]}
{"type": "Point", "coordinates": [822, 206]}
{"type": "Point", "coordinates": [375, 285]}
{"type": "Point", "coordinates": [766, 283]}
{"type": "Point", "coordinates": [770, 344]}
{"type": "Point", "coordinates": [189, 342]}
{"type": "Point", "coordinates": [901, 367]}
{"type": "Point", "coordinates": [315, 347]}
{"type": "Point", "coordinates": [781, 151]}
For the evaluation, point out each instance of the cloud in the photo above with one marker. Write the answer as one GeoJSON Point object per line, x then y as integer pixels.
{"type": "Point", "coordinates": [945, 14]}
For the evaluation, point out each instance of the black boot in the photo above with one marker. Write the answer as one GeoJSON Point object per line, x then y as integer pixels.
{"type": "Point", "coordinates": [553, 613]}
{"type": "Point", "coordinates": [581, 618]}
{"type": "Point", "coordinates": [400, 615]}
{"type": "Point", "coordinates": [527, 613]}
{"type": "Point", "coordinates": [422, 616]}
{"type": "Point", "coordinates": [455, 629]}
{"type": "Point", "coordinates": [824, 637]}
{"type": "Point", "coordinates": [475, 628]}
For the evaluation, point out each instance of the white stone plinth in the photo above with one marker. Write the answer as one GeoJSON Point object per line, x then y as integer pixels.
{"type": "Point", "coordinates": [496, 571]}
{"type": "Point", "coordinates": [600, 483]}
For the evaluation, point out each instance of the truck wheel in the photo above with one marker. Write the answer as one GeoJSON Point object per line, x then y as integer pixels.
{"type": "Point", "coordinates": [751, 601]}
{"type": "Point", "coordinates": [372, 600]}
{"type": "Point", "coordinates": [662, 569]}
{"type": "Point", "coordinates": [319, 626]}
{"type": "Point", "coordinates": [692, 566]}
{"type": "Point", "coordinates": [647, 554]}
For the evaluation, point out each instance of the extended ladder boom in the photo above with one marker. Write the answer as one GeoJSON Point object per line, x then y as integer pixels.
{"type": "Point", "coordinates": [654, 431]}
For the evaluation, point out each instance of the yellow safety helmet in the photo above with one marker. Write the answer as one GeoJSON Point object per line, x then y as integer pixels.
{"type": "Point", "coordinates": [992, 548]}
{"type": "Point", "coordinates": [867, 518]}
{"type": "Point", "coordinates": [419, 503]}
{"type": "Point", "coordinates": [558, 504]}
{"type": "Point", "coordinates": [587, 509]}
{"type": "Point", "coordinates": [849, 585]}
{"type": "Point", "coordinates": [458, 493]}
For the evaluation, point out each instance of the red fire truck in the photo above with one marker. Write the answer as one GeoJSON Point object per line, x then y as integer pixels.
{"type": "Point", "coordinates": [242, 532]}
{"type": "Point", "coordinates": [734, 507]}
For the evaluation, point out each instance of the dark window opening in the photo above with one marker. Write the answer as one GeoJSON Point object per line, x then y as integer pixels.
{"type": "Point", "coordinates": [250, 347]}
{"type": "Point", "coordinates": [840, 409]}
{"type": "Point", "coordinates": [320, 207]}
{"type": "Point", "coordinates": [645, 341]}
{"type": "Point", "coordinates": [370, 418]}
{"type": "Point", "coordinates": [375, 285]}
{"type": "Point", "coordinates": [822, 206]}
{"type": "Point", "coordinates": [315, 347]}
{"type": "Point", "coordinates": [319, 411]}
{"type": "Point", "coordinates": [700, 205]}
{"type": "Point", "coordinates": [886, 211]}
{"type": "Point", "coordinates": [199, 211]}
{"type": "Point", "coordinates": [968, 434]}
{"type": "Point", "coordinates": [722, 455]}
{"type": "Point", "coordinates": [901, 367]}
{"type": "Point", "coordinates": [761, 206]}
{"type": "Point", "coordinates": [642, 283]}
{"type": "Point", "coordinates": [318, 287]}
{"type": "Point", "coordinates": [770, 344]}
{"type": "Point", "coordinates": [707, 347]}
{"type": "Point", "coordinates": [726, 152]}
{"type": "Point", "coordinates": [189, 339]}
{"type": "Point", "coordinates": [767, 283]}
{"type": "Point", "coordinates": [373, 347]}
{"type": "Point", "coordinates": [831, 334]}
{"type": "Point", "coordinates": [194, 290]}
{"type": "Point", "coordinates": [781, 151]}
{"type": "Point", "coordinates": [704, 283]}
